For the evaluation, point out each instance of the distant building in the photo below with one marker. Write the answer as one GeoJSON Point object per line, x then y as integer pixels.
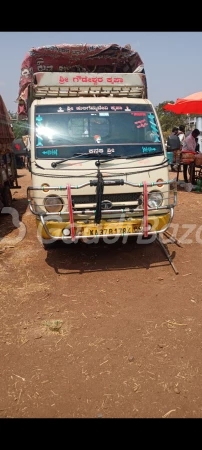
{"type": "Point", "coordinates": [191, 123]}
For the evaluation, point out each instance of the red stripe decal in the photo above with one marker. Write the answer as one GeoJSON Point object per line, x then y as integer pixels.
{"type": "Point", "coordinates": [145, 209]}
{"type": "Point", "coordinates": [71, 217]}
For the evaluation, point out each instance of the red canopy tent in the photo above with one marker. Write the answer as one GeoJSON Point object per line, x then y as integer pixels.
{"type": "Point", "coordinates": [187, 105]}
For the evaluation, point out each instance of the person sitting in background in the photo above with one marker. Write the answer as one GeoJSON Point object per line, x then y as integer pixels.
{"type": "Point", "coordinates": [173, 144]}
{"type": "Point", "coordinates": [189, 145]}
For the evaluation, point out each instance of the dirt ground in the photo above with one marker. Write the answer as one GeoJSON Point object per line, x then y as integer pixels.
{"type": "Point", "coordinates": [100, 331]}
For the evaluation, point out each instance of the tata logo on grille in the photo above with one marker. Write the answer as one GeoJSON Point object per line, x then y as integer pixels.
{"type": "Point", "coordinates": [106, 204]}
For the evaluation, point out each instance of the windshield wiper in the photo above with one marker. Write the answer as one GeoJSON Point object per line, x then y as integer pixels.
{"type": "Point", "coordinates": [40, 167]}
{"type": "Point", "coordinates": [78, 155]}
{"type": "Point", "coordinates": [140, 155]}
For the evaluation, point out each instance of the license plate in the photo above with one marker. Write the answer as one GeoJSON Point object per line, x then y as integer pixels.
{"type": "Point", "coordinates": [111, 230]}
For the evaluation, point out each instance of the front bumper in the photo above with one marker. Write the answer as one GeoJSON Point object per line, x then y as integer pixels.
{"type": "Point", "coordinates": [57, 230]}
{"type": "Point", "coordinates": [74, 225]}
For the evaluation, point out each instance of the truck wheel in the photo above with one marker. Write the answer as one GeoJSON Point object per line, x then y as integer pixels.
{"type": "Point", "coordinates": [7, 196]}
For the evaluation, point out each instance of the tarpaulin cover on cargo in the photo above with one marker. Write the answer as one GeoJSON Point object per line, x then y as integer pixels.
{"type": "Point", "coordinates": [6, 133]}
{"type": "Point", "coordinates": [75, 58]}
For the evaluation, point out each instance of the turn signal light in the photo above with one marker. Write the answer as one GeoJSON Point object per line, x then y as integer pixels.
{"type": "Point", "coordinates": [45, 185]}
{"type": "Point", "coordinates": [158, 181]}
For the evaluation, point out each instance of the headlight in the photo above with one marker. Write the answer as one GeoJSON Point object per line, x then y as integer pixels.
{"type": "Point", "coordinates": [53, 203]}
{"type": "Point", "coordinates": [155, 199]}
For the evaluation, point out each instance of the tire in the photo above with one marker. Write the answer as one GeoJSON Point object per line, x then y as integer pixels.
{"type": "Point", "coordinates": [7, 196]}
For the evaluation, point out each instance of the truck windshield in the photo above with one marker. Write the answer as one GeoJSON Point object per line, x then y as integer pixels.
{"type": "Point", "coordinates": [106, 129]}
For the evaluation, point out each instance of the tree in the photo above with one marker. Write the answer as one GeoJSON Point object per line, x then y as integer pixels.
{"type": "Point", "coordinates": [20, 127]}
{"type": "Point", "coordinates": [168, 119]}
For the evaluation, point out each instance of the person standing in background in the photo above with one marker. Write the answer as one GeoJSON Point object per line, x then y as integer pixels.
{"type": "Point", "coordinates": [189, 145]}
{"type": "Point", "coordinates": [173, 145]}
{"type": "Point", "coordinates": [181, 135]}
{"type": "Point", "coordinates": [197, 146]}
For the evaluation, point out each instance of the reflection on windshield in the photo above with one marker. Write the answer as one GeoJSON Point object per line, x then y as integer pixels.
{"type": "Point", "coordinates": [95, 132]}
{"type": "Point", "coordinates": [116, 128]}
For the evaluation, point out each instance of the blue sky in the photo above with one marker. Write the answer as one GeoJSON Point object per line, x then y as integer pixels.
{"type": "Point", "coordinates": [172, 59]}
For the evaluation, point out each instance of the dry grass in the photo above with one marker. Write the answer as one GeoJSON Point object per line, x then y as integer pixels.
{"type": "Point", "coordinates": [54, 325]}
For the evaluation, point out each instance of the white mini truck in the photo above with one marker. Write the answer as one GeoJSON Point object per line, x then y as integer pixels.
{"type": "Point", "coordinates": [98, 160]}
